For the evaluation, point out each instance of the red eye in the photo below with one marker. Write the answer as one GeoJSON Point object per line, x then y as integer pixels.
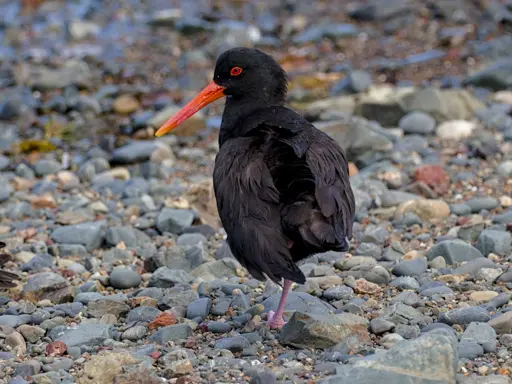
{"type": "Point", "coordinates": [235, 71]}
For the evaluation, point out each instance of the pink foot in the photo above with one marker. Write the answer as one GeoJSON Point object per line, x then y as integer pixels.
{"type": "Point", "coordinates": [275, 322]}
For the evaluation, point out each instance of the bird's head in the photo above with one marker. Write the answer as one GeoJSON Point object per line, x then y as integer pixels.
{"type": "Point", "coordinates": [240, 74]}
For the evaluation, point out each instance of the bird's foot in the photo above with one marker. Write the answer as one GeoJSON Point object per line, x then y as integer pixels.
{"type": "Point", "coordinates": [275, 322]}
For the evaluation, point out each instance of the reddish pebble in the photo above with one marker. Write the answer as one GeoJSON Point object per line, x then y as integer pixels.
{"type": "Point", "coordinates": [57, 348]}
{"type": "Point", "coordinates": [162, 320]}
{"type": "Point", "coordinates": [434, 176]}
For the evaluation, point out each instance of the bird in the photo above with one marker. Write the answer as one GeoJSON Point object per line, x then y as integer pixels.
{"type": "Point", "coordinates": [281, 185]}
{"type": "Point", "coordinates": [6, 278]}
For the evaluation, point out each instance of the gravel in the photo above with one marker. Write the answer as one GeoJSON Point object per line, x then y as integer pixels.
{"type": "Point", "coordinates": [125, 274]}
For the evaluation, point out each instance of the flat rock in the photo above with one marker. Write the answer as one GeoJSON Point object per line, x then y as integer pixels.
{"type": "Point", "coordinates": [429, 359]}
{"type": "Point", "coordinates": [306, 330]}
{"type": "Point", "coordinates": [100, 308]}
{"type": "Point", "coordinates": [48, 285]}
{"type": "Point", "coordinates": [90, 234]}
{"type": "Point", "coordinates": [454, 251]}
{"type": "Point", "coordinates": [82, 334]}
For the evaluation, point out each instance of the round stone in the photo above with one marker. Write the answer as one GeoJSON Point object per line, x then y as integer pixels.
{"type": "Point", "coordinates": [123, 278]}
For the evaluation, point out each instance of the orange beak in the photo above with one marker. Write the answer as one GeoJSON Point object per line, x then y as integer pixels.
{"type": "Point", "coordinates": [209, 94]}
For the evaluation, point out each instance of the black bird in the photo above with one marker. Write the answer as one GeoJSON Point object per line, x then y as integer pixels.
{"type": "Point", "coordinates": [282, 186]}
{"type": "Point", "coordinates": [6, 278]}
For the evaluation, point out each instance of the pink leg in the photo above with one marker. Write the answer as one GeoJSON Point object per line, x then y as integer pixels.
{"type": "Point", "coordinates": [275, 319]}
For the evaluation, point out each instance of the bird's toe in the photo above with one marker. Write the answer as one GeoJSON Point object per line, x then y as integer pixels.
{"type": "Point", "coordinates": [274, 321]}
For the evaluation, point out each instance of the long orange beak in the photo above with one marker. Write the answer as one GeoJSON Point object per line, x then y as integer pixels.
{"type": "Point", "coordinates": [209, 94]}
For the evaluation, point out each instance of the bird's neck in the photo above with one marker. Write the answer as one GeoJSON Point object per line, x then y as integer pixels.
{"type": "Point", "coordinates": [235, 112]}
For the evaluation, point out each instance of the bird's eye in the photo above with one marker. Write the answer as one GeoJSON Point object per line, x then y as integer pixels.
{"type": "Point", "coordinates": [235, 71]}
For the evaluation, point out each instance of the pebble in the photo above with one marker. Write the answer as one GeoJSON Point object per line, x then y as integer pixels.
{"type": "Point", "coordinates": [410, 267]}
{"type": "Point", "coordinates": [323, 331]}
{"type": "Point", "coordinates": [417, 123]}
{"type": "Point", "coordinates": [502, 323]}
{"type": "Point", "coordinates": [199, 308]}
{"type": "Point", "coordinates": [483, 296]}
{"type": "Point", "coordinates": [171, 333]}
{"type": "Point", "coordinates": [135, 333]}
{"type": "Point", "coordinates": [454, 251]}
{"type": "Point", "coordinates": [493, 241]}
{"type": "Point", "coordinates": [482, 203]}
{"type": "Point", "coordinates": [174, 220]}
{"type": "Point", "coordinates": [455, 130]}
{"type": "Point", "coordinates": [424, 209]}
{"type": "Point", "coordinates": [124, 278]}
{"type": "Point", "coordinates": [219, 327]}
{"type": "Point", "coordinates": [233, 344]}
{"type": "Point", "coordinates": [464, 316]}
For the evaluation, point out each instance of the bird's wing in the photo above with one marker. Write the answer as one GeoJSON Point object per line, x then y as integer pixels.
{"type": "Point", "coordinates": [7, 279]}
{"type": "Point", "coordinates": [248, 204]}
{"type": "Point", "coordinates": [325, 223]}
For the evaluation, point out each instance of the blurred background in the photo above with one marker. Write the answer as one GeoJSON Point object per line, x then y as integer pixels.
{"type": "Point", "coordinates": [64, 63]}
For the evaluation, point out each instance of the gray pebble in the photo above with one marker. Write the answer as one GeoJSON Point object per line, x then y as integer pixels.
{"type": "Point", "coordinates": [199, 308]}
{"type": "Point", "coordinates": [410, 267]}
{"type": "Point", "coordinates": [124, 278]}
